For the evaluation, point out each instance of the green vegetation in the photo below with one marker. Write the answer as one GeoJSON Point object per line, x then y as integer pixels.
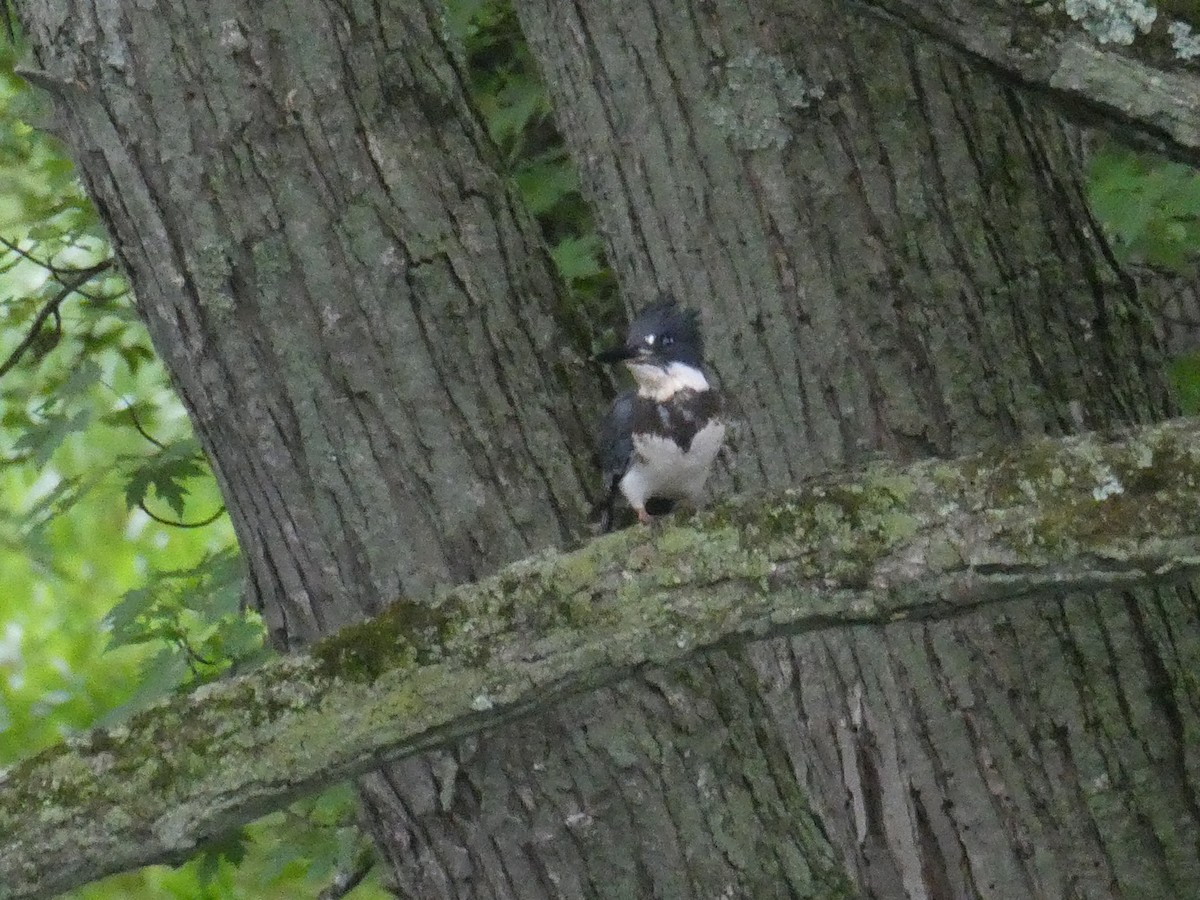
{"type": "Point", "coordinates": [1150, 208]}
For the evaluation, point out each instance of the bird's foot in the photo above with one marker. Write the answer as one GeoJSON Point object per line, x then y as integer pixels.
{"type": "Point", "coordinates": [644, 517]}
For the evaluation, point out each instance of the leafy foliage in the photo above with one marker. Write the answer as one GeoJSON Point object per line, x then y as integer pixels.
{"type": "Point", "coordinates": [1150, 208]}
{"type": "Point", "coordinates": [1185, 375]}
{"type": "Point", "coordinates": [167, 472]}
{"type": "Point", "coordinates": [507, 90]}
{"type": "Point", "coordinates": [38, 188]}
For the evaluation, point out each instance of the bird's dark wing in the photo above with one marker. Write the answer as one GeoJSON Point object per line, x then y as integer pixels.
{"type": "Point", "coordinates": [615, 448]}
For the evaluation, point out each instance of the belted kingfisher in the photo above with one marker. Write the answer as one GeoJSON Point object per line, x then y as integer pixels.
{"type": "Point", "coordinates": [659, 441]}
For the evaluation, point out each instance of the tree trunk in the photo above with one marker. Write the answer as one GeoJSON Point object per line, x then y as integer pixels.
{"type": "Point", "coordinates": [892, 249]}
{"type": "Point", "coordinates": [892, 254]}
{"type": "Point", "coordinates": [363, 324]}
{"type": "Point", "coordinates": [901, 244]}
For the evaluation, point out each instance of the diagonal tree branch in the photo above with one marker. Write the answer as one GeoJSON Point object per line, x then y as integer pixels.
{"type": "Point", "coordinates": [932, 540]}
{"type": "Point", "coordinates": [1144, 92]}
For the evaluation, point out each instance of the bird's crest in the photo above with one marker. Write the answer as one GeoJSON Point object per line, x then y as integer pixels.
{"type": "Point", "coordinates": [666, 323]}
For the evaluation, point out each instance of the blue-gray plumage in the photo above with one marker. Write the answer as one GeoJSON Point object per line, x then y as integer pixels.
{"type": "Point", "coordinates": [659, 441]}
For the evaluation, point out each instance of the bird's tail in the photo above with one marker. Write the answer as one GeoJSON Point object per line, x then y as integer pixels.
{"type": "Point", "coordinates": [604, 511]}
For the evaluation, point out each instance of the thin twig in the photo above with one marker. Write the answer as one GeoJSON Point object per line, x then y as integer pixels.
{"type": "Point", "coordinates": [160, 520]}
{"type": "Point", "coordinates": [133, 416]}
{"type": "Point", "coordinates": [137, 423]}
{"type": "Point", "coordinates": [25, 254]}
{"type": "Point", "coordinates": [192, 653]}
{"type": "Point", "coordinates": [57, 271]}
{"type": "Point", "coordinates": [51, 308]}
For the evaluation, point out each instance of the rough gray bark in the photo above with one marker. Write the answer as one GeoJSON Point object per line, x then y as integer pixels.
{"type": "Point", "coordinates": [937, 541]}
{"type": "Point", "coordinates": [899, 242]}
{"type": "Point", "coordinates": [1176, 310]}
{"type": "Point", "coordinates": [345, 293]}
{"type": "Point", "coordinates": [1143, 91]}
{"type": "Point", "coordinates": [328, 265]}
{"type": "Point", "coordinates": [892, 248]}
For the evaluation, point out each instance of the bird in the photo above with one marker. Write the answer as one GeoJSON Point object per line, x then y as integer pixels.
{"type": "Point", "coordinates": [658, 443]}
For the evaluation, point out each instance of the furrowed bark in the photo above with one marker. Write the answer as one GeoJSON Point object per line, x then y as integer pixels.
{"type": "Point", "coordinates": [1144, 92]}
{"type": "Point", "coordinates": [363, 323]}
{"type": "Point", "coordinates": [891, 247]}
{"type": "Point", "coordinates": [365, 327]}
{"type": "Point", "coordinates": [892, 253]}
{"type": "Point", "coordinates": [894, 250]}
{"type": "Point", "coordinates": [867, 556]}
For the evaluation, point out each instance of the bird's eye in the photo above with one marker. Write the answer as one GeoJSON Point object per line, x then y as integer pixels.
{"type": "Point", "coordinates": [667, 340]}
{"type": "Point", "coordinates": [650, 340]}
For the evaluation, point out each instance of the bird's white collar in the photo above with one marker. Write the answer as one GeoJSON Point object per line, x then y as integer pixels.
{"type": "Point", "coordinates": [662, 384]}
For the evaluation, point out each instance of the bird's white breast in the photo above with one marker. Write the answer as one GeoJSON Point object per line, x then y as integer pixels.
{"type": "Point", "coordinates": [661, 468]}
{"type": "Point", "coordinates": [659, 383]}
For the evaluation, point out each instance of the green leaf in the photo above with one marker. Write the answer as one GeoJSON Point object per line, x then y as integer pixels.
{"type": "Point", "coordinates": [144, 410]}
{"type": "Point", "coordinates": [578, 258]}
{"type": "Point", "coordinates": [1184, 373]}
{"type": "Point", "coordinates": [217, 582]}
{"type": "Point", "coordinates": [122, 618]}
{"type": "Point", "coordinates": [160, 677]}
{"type": "Point", "coordinates": [241, 641]}
{"type": "Point", "coordinates": [1149, 207]}
{"type": "Point", "coordinates": [334, 806]}
{"type": "Point", "coordinates": [460, 17]}
{"type": "Point", "coordinates": [230, 849]}
{"type": "Point", "coordinates": [43, 438]}
{"type": "Point", "coordinates": [166, 472]}
{"type": "Point", "coordinates": [514, 108]}
{"type": "Point", "coordinates": [135, 356]}
{"type": "Point", "coordinates": [83, 377]}
{"type": "Point", "coordinates": [544, 185]}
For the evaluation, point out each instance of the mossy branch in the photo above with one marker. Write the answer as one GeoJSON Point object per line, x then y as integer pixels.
{"type": "Point", "coordinates": [1143, 91]}
{"type": "Point", "coordinates": [934, 539]}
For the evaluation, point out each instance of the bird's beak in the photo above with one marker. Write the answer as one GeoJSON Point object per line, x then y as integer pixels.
{"type": "Point", "coordinates": [617, 354]}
